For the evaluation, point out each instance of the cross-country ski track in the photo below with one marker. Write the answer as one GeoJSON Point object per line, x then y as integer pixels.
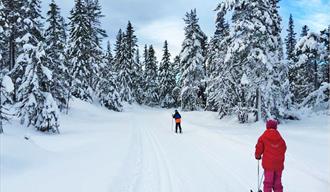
{"type": "Point", "coordinates": [136, 151]}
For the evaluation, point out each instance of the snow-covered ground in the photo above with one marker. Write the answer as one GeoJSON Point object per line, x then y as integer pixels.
{"type": "Point", "coordinates": [104, 151]}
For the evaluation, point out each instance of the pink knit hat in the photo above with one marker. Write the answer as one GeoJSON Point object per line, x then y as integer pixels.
{"type": "Point", "coordinates": [271, 124]}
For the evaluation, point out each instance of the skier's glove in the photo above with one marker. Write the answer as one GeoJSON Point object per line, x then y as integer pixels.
{"type": "Point", "coordinates": [258, 157]}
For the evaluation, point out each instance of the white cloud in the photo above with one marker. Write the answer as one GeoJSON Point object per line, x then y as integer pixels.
{"type": "Point", "coordinates": [317, 22]}
{"type": "Point", "coordinates": [156, 32]}
{"type": "Point", "coordinates": [314, 13]}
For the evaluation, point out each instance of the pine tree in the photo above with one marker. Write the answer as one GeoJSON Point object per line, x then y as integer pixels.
{"type": "Point", "coordinates": [121, 70]}
{"type": "Point", "coordinates": [253, 60]}
{"type": "Point", "coordinates": [12, 23]}
{"type": "Point", "coordinates": [119, 51]}
{"type": "Point", "coordinates": [3, 26]}
{"type": "Point", "coordinates": [3, 71]}
{"type": "Point", "coordinates": [151, 79]}
{"type": "Point", "coordinates": [192, 61]}
{"type": "Point", "coordinates": [125, 64]}
{"type": "Point", "coordinates": [55, 39]}
{"type": "Point", "coordinates": [311, 85]}
{"type": "Point", "coordinates": [308, 57]}
{"type": "Point", "coordinates": [325, 56]}
{"type": "Point", "coordinates": [166, 79]}
{"type": "Point", "coordinates": [290, 40]}
{"type": "Point", "coordinates": [26, 30]}
{"type": "Point", "coordinates": [108, 57]}
{"type": "Point", "coordinates": [290, 46]}
{"type": "Point", "coordinates": [215, 62]}
{"type": "Point", "coordinates": [107, 88]}
{"type": "Point", "coordinates": [138, 81]}
{"type": "Point", "coordinates": [281, 81]}
{"type": "Point", "coordinates": [130, 44]}
{"type": "Point", "coordinates": [6, 87]}
{"type": "Point", "coordinates": [304, 31]}
{"type": "Point", "coordinates": [177, 72]}
{"type": "Point", "coordinates": [85, 53]}
{"type": "Point", "coordinates": [94, 14]}
{"type": "Point", "coordinates": [36, 105]}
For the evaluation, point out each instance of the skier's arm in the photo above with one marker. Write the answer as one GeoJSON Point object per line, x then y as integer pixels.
{"type": "Point", "coordinates": [285, 147]}
{"type": "Point", "coordinates": [259, 148]}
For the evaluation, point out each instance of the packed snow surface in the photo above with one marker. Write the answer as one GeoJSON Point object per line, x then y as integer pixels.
{"type": "Point", "coordinates": [136, 151]}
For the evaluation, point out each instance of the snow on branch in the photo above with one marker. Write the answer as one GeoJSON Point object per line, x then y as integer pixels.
{"type": "Point", "coordinates": [318, 98]}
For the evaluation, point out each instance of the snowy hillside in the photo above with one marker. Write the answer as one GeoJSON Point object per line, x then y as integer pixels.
{"type": "Point", "coordinates": [136, 150]}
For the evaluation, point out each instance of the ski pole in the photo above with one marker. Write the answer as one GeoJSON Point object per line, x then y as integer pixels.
{"type": "Point", "coordinates": [262, 176]}
{"type": "Point", "coordinates": [259, 181]}
{"type": "Point", "coordinates": [258, 177]}
{"type": "Point", "coordinates": [172, 125]}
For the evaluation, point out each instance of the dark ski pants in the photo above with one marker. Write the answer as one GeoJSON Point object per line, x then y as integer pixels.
{"type": "Point", "coordinates": [178, 125]}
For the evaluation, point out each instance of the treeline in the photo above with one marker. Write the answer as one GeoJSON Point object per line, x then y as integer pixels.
{"type": "Point", "coordinates": [242, 70]}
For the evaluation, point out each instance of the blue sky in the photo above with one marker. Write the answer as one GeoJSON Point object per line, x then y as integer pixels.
{"type": "Point", "coordinates": [156, 21]}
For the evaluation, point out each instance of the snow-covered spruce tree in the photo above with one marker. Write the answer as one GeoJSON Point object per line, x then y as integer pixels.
{"type": "Point", "coordinates": [308, 57]}
{"type": "Point", "coordinates": [109, 57]}
{"type": "Point", "coordinates": [12, 16]}
{"type": "Point", "coordinates": [107, 89]}
{"type": "Point", "coordinates": [6, 87]}
{"type": "Point", "coordinates": [85, 52]}
{"type": "Point", "coordinates": [325, 56]}
{"type": "Point", "coordinates": [304, 31]}
{"type": "Point", "coordinates": [36, 106]}
{"type": "Point", "coordinates": [253, 59]}
{"type": "Point", "coordinates": [177, 70]}
{"type": "Point", "coordinates": [192, 61]}
{"type": "Point", "coordinates": [166, 79]}
{"type": "Point", "coordinates": [55, 39]}
{"type": "Point", "coordinates": [130, 44]}
{"type": "Point", "coordinates": [3, 46]}
{"type": "Point", "coordinates": [281, 84]}
{"type": "Point", "coordinates": [140, 94]}
{"type": "Point", "coordinates": [138, 81]}
{"type": "Point", "coordinates": [125, 64]}
{"type": "Point", "coordinates": [290, 40]}
{"type": "Point", "coordinates": [151, 90]}
{"type": "Point", "coordinates": [31, 77]}
{"type": "Point", "coordinates": [215, 62]}
{"type": "Point", "coordinates": [176, 92]}
{"type": "Point", "coordinates": [24, 21]}
{"type": "Point", "coordinates": [123, 78]}
{"type": "Point", "coordinates": [313, 51]}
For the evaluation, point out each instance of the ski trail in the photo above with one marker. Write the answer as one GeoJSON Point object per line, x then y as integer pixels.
{"type": "Point", "coordinates": [157, 173]}
{"type": "Point", "coordinates": [185, 166]}
{"type": "Point", "coordinates": [145, 168]}
{"type": "Point", "coordinates": [204, 149]}
{"type": "Point", "coordinates": [203, 158]}
{"type": "Point", "coordinates": [129, 175]}
{"type": "Point", "coordinates": [169, 172]}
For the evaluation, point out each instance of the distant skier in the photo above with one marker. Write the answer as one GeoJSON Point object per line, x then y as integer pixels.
{"type": "Point", "coordinates": [271, 148]}
{"type": "Point", "coordinates": [177, 118]}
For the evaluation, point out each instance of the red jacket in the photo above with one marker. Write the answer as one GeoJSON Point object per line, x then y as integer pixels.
{"type": "Point", "coordinates": [272, 147]}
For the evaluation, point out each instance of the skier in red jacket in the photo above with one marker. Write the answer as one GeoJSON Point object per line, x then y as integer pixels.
{"type": "Point", "coordinates": [271, 148]}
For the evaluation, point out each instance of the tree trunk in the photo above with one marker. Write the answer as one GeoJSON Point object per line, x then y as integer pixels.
{"type": "Point", "coordinates": [257, 113]}
{"type": "Point", "coordinates": [316, 86]}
